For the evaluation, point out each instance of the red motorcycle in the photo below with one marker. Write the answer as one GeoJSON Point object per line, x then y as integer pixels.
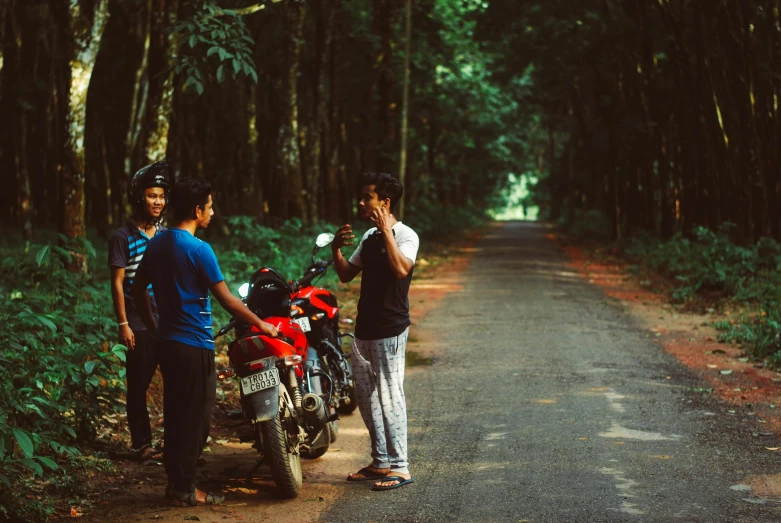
{"type": "Point", "coordinates": [281, 396]}
{"type": "Point", "coordinates": [316, 311]}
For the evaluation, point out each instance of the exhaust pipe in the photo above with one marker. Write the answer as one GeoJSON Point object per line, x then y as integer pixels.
{"type": "Point", "coordinates": [315, 412]}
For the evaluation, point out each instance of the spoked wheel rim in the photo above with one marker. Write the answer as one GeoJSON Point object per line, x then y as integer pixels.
{"type": "Point", "coordinates": [293, 446]}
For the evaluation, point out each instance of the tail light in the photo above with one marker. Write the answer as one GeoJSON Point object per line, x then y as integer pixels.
{"type": "Point", "coordinates": [256, 365]}
{"type": "Point", "coordinates": [225, 373]}
{"type": "Point", "coordinates": [293, 360]}
{"type": "Point", "coordinates": [295, 310]}
{"type": "Point", "coordinates": [317, 316]}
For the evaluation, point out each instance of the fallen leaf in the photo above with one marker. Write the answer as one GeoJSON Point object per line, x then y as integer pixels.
{"type": "Point", "coordinates": [221, 441]}
{"type": "Point", "coordinates": [710, 366]}
{"type": "Point", "coordinates": [75, 513]}
{"type": "Point", "coordinates": [772, 449]}
{"type": "Point", "coordinates": [726, 371]}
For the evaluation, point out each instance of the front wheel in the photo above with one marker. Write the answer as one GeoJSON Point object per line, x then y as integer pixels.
{"type": "Point", "coordinates": [283, 455]}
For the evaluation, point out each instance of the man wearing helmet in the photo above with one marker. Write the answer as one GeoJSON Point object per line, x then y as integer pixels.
{"type": "Point", "coordinates": [147, 195]}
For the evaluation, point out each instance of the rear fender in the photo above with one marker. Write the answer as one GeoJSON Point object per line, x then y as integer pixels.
{"type": "Point", "coordinates": [265, 404]}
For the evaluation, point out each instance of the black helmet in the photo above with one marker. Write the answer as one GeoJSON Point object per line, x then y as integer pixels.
{"type": "Point", "coordinates": [269, 294]}
{"type": "Point", "coordinates": [152, 175]}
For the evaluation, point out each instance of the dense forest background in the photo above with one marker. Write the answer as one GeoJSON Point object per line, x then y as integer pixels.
{"type": "Point", "coordinates": [280, 104]}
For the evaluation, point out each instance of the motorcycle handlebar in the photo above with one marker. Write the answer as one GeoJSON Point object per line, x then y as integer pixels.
{"type": "Point", "coordinates": [312, 271]}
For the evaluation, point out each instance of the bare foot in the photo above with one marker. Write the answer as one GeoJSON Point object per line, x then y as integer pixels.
{"type": "Point", "coordinates": [368, 473]}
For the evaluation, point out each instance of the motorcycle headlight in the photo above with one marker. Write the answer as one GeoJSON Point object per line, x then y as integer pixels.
{"type": "Point", "coordinates": [244, 290]}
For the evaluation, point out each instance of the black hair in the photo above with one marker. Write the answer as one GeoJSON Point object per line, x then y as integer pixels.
{"type": "Point", "coordinates": [186, 196]}
{"type": "Point", "coordinates": [385, 185]}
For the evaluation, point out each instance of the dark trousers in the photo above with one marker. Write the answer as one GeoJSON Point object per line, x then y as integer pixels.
{"type": "Point", "coordinates": [141, 365]}
{"type": "Point", "coordinates": [189, 390]}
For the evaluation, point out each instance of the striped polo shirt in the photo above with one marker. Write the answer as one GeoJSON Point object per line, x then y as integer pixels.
{"type": "Point", "coordinates": [126, 249]}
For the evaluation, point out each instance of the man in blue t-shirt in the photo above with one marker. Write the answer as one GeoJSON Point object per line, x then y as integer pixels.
{"type": "Point", "coordinates": [182, 270]}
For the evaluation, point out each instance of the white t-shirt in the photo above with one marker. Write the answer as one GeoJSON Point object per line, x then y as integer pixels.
{"type": "Point", "coordinates": [406, 239]}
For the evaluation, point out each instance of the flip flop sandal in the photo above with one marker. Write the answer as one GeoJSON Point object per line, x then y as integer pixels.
{"type": "Point", "coordinates": [367, 474]}
{"type": "Point", "coordinates": [401, 483]}
{"type": "Point", "coordinates": [189, 499]}
{"type": "Point", "coordinates": [147, 453]}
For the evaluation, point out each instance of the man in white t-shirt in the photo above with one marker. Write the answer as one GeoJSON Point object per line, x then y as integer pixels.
{"type": "Point", "coordinates": [386, 255]}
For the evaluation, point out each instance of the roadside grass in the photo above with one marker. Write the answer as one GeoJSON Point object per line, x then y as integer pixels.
{"type": "Point", "coordinates": [707, 271]}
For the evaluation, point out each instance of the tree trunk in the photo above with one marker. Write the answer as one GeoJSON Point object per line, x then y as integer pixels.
{"type": "Point", "coordinates": [161, 81]}
{"type": "Point", "coordinates": [86, 30]}
{"type": "Point", "coordinates": [288, 159]}
{"type": "Point", "coordinates": [405, 104]}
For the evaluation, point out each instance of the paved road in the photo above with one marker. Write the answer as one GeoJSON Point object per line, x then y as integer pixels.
{"type": "Point", "coordinates": [545, 403]}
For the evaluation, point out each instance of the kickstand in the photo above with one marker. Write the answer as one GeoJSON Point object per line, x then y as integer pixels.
{"type": "Point", "coordinates": [258, 464]}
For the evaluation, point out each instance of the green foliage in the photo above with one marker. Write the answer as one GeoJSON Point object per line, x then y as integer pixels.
{"type": "Point", "coordinates": [434, 220]}
{"type": "Point", "coordinates": [759, 332]}
{"type": "Point", "coordinates": [214, 37]}
{"type": "Point", "coordinates": [710, 262]}
{"type": "Point", "coordinates": [62, 375]}
{"type": "Point", "coordinates": [589, 225]}
{"type": "Point", "coordinates": [709, 265]}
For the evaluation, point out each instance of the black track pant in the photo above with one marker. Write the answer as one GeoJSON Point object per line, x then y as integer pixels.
{"type": "Point", "coordinates": [141, 365]}
{"type": "Point", "coordinates": [189, 388]}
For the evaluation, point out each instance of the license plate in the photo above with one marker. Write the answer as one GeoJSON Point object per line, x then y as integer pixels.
{"type": "Point", "coordinates": [260, 381]}
{"type": "Point", "coordinates": [303, 323]}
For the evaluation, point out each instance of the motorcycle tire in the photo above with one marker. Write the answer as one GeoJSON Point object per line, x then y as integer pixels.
{"type": "Point", "coordinates": [283, 457]}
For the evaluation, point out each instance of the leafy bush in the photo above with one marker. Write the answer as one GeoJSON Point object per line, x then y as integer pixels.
{"type": "Point", "coordinates": [62, 374]}
{"type": "Point", "coordinates": [434, 220]}
{"type": "Point", "coordinates": [709, 265]}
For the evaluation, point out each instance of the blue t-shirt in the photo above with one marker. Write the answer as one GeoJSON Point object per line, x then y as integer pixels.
{"type": "Point", "coordinates": [182, 268]}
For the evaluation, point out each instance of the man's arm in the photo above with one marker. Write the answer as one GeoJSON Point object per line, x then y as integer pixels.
{"type": "Point", "coordinates": [344, 269]}
{"type": "Point", "coordinates": [126, 336]}
{"type": "Point", "coordinates": [238, 310]}
{"type": "Point", "coordinates": [143, 302]}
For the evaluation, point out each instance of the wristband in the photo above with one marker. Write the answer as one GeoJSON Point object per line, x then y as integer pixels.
{"type": "Point", "coordinates": [123, 323]}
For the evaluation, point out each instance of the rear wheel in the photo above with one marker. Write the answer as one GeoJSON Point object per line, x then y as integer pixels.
{"type": "Point", "coordinates": [284, 457]}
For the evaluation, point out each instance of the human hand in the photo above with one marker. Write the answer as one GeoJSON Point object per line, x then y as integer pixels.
{"type": "Point", "coordinates": [126, 337]}
{"type": "Point", "coordinates": [268, 329]}
{"type": "Point", "coordinates": [380, 217]}
{"type": "Point", "coordinates": [343, 237]}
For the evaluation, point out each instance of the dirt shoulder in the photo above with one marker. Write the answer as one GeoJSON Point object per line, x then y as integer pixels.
{"type": "Point", "coordinates": [690, 337]}
{"type": "Point", "coordinates": [134, 491]}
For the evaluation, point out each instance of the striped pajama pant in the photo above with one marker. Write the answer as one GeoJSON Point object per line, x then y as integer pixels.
{"type": "Point", "coordinates": [378, 367]}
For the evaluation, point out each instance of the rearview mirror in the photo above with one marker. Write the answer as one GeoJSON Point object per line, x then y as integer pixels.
{"type": "Point", "coordinates": [324, 239]}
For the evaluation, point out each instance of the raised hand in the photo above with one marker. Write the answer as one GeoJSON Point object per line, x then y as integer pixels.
{"type": "Point", "coordinates": [343, 237]}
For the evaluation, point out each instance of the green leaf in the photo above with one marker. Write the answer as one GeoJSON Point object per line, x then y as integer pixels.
{"type": "Point", "coordinates": [212, 50]}
{"type": "Point", "coordinates": [94, 381]}
{"type": "Point", "coordinates": [24, 441]}
{"type": "Point", "coordinates": [48, 462]}
{"type": "Point", "coordinates": [69, 430]}
{"type": "Point", "coordinates": [89, 366]}
{"type": "Point", "coordinates": [47, 322]}
{"type": "Point", "coordinates": [42, 255]}
{"type": "Point", "coordinates": [2, 447]}
{"type": "Point", "coordinates": [199, 88]}
{"type": "Point", "coordinates": [5, 480]}
{"type": "Point", "coordinates": [32, 465]}
{"type": "Point", "coordinates": [236, 67]}
{"type": "Point", "coordinates": [193, 40]}
{"type": "Point", "coordinates": [220, 73]}
{"type": "Point", "coordinates": [223, 53]}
